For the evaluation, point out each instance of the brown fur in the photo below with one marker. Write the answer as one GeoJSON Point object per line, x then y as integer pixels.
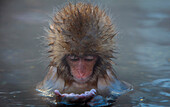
{"type": "Point", "coordinates": [80, 29]}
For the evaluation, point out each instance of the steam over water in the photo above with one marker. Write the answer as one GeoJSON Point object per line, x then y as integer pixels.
{"type": "Point", "coordinates": [143, 43]}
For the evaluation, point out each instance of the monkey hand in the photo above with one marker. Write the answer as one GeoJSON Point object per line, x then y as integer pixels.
{"type": "Point", "coordinates": [75, 98]}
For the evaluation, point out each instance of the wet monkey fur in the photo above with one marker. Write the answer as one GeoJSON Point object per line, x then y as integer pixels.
{"type": "Point", "coordinates": [81, 42]}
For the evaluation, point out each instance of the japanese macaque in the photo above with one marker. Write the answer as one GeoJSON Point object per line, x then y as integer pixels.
{"type": "Point", "coordinates": [82, 51]}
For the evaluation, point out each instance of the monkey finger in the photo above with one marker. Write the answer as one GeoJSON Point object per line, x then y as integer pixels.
{"type": "Point", "coordinates": [77, 98]}
{"type": "Point", "coordinates": [87, 95]}
{"type": "Point", "coordinates": [57, 93]}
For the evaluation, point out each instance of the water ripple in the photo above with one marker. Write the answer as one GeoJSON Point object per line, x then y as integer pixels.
{"type": "Point", "coordinates": [164, 83]}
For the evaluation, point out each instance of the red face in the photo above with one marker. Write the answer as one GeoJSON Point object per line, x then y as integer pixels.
{"type": "Point", "coordinates": [81, 67]}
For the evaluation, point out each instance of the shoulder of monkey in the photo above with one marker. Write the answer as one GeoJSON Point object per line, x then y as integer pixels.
{"type": "Point", "coordinates": [50, 82]}
{"type": "Point", "coordinates": [110, 85]}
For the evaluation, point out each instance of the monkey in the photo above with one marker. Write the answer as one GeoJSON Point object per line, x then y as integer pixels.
{"type": "Point", "coordinates": [81, 49]}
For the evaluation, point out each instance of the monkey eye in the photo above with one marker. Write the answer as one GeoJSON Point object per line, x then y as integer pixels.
{"type": "Point", "coordinates": [73, 58]}
{"type": "Point", "coordinates": [89, 58]}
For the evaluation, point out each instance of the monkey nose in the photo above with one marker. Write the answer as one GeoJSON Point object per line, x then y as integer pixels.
{"type": "Point", "coordinates": [81, 70]}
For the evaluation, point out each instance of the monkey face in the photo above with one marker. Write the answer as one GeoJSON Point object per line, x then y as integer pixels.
{"type": "Point", "coordinates": [81, 67]}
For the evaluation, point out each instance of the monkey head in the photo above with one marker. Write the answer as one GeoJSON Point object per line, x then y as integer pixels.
{"type": "Point", "coordinates": [81, 42]}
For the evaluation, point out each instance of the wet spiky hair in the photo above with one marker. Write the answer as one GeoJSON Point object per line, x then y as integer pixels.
{"type": "Point", "coordinates": [81, 29]}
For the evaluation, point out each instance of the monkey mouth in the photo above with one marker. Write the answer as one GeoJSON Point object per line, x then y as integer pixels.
{"type": "Point", "coordinates": [86, 94]}
{"type": "Point", "coordinates": [81, 80]}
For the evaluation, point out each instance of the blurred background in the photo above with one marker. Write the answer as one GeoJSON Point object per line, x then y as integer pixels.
{"type": "Point", "coordinates": [143, 44]}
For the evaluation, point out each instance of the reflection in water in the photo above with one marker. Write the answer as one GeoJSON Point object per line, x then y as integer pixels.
{"type": "Point", "coordinates": [20, 98]}
{"type": "Point", "coordinates": [154, 56]}
{"type": "Point", "coordinates": [161, 86]}
{"type": "Point", "coordinates": [165, 83]}
{"type": "Point", "coordinates": [159, 83]}
{"type": "Point", "coordinates": [149, 105]}
{"type": "Point", "coordinates": [158, 15]}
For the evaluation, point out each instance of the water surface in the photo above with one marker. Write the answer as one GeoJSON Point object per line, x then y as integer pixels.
{"type": "Point", "coordinates": [143, 43]}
